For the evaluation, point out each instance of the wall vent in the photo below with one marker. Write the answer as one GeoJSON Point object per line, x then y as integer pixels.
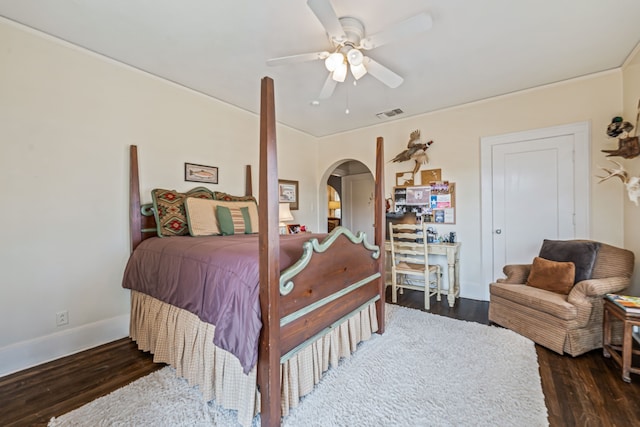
{"type": "Point", "coordinates": [389, 114]}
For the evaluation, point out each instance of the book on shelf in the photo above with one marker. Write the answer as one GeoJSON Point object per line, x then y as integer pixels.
{"type": "Point", "coordinates": [628, 303]}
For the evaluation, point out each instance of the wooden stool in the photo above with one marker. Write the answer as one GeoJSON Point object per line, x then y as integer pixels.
{"type": "Point", "coordinates": [621, 354]}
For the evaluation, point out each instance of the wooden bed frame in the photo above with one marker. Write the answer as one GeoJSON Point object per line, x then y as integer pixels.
{"type": "Point", "coordinates": [294, 314]}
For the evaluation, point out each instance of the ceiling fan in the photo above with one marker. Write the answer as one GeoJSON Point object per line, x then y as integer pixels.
{"type": "Point", "coordinates": [347, 38]}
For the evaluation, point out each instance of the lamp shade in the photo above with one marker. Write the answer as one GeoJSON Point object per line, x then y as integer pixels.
{"type": "Point", "coordinates": [355, 57]}
{"type": "Point", "coordinates": [358, 71]}
{"type": "Point", "coordinates": [334, 204]}
{"type": "Point", "coordinates": [333, 61]}
{"type": "Point", "coordinates": [284, 213]}
{"type": "Point", "coordinates": [340, 73]}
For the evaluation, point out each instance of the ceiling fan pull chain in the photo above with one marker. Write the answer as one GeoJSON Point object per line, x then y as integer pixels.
{"type": "Point", "coordinates": [346, 111]}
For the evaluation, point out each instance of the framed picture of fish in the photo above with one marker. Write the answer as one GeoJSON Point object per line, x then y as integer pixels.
{"type": "Point", "coordinates": [200, 173]}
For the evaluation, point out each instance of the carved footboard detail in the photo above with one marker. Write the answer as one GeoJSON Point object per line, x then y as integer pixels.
{"type": "Point", "coordinates": [331, 281]}
{"type": "Point", "coordinates": [286, 284]}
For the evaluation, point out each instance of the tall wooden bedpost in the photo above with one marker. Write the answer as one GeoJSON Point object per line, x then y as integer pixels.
{"type": "Point", "coordinates": [135, 222]}
{"type": "Point", "coordinates": [248, 185]}
{"type": "Point", "coordinates": [269, 243]}
{"type": "Point", "coordinates": [379, 229]}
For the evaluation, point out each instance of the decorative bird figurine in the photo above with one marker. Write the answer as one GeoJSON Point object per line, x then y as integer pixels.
{"type": "Point", "coordinates": [629, 146]}
{"type": "Point", "coordinates": [618, 126]}
{"type": "Point", "coordinates": [416, 150]}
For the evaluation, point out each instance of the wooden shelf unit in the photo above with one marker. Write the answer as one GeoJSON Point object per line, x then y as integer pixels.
{"type": "Point", "coordinates": [439, 198]}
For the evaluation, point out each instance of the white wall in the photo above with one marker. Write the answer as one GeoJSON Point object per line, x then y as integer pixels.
{"type": "Point", "coordinates": [631, 72]}
{"type": "Point", "coordinates": [456, 133]}
{"type": "Point", "coordinates": [67, 118]}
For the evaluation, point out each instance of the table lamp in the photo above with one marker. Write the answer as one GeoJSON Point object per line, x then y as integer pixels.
{"type": "Point", "coordinates": [333, 205]}
{"type": "Point", "coordinates": [284, 214]}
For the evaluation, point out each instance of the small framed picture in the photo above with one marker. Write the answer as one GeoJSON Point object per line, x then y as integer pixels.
{"type": "Point", "coordinates": [418, 195]}
{"type": "Point", "coordinates": [293, 228]}
{"type": "Point", "coordinates": [404, 179]}
{"type": "Point", "coordinates": [200, 173]}
{"type": "Point", "coordinates": [288, 193]}
{"type": "Point", "coordinates": [430, 175]}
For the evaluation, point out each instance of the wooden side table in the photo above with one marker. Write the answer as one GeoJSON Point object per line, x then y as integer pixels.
{"type": "Point", "coordinates": [621, 354]}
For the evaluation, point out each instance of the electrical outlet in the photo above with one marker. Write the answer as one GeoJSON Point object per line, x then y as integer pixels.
{"type": "Point", "coordinates": [62, 318]}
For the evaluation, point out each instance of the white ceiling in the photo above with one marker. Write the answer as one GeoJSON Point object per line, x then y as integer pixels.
{"type": "Point", "coordinates": [475, 49]}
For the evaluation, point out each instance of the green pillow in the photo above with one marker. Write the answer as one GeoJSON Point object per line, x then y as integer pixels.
{"type": "Point", "coordinates": [233, 220]}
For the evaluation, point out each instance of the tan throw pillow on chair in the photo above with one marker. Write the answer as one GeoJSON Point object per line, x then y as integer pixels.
{"type": "Point", "coordinates": [552, 276]}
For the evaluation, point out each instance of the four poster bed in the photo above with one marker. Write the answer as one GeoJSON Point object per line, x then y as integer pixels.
{"type": "Point", "coordinates": [276, 311]}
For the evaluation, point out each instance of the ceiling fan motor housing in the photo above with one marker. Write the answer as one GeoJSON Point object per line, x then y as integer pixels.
{"type": "Point", "coordinates": [353, 29]}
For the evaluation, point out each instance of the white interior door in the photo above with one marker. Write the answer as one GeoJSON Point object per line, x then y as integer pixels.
{"type": "Point", "coordinates": [535, 186]}
{"type": "Point", "coordinates": [532, 197]}
{"type": "Point", "coordinates": [357, 200]}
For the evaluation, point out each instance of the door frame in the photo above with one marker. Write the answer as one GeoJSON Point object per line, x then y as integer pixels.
{"type": "Point", "coordinates": [347, 213]}
{"type": "Point", "coordinates": [581, 132]}
{"type": "Point", "coordinates": [322, 192]}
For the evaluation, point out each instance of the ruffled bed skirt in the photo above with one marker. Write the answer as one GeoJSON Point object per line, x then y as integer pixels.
{"type": "Point", "coordinates": [180, 339]}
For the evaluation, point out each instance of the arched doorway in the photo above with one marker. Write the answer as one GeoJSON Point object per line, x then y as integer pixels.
{"type": "Point", "coordinates": [352, 184]}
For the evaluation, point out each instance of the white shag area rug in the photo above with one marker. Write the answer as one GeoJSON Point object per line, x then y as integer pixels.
{"type": "Point", "coordinates": [426, 370]}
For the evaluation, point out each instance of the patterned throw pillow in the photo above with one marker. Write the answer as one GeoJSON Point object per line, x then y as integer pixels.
{"type": "Point", "coordinates": [233, 220]}
{"type": "Point", "coordinates": [169, 210]}
{"type": "Point", "coordinates": [219, 195]}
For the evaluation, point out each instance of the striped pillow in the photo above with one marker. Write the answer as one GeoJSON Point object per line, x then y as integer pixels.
{"type": "Point", "coordinates": [202, 218]}
{"type": "Point", "coordinates": [233, 220]}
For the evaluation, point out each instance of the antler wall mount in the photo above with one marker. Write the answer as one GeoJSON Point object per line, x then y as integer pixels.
{"type": "Point", "coordinates": [631, 183]}
{"type": "Point", "coordinates": [628, 148]}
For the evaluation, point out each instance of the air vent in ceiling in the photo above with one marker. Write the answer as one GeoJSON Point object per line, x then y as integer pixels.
{"type": "Point", "coordinates": [389, 114]}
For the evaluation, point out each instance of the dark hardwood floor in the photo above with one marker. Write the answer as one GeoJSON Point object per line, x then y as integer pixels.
{"type": "Point", "coordinates": [582, 391]}
{"type": "Point", "coordinates": [31, 397]}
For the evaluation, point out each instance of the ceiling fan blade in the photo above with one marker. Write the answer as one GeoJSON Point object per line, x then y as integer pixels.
{"type": "Point", "coordinates": [328, 87]}
{"type": "Point", "coordinates": [382, 73]}
{"type": "Point", "coordinates": [412, 26]}
{"type": "Point", "coordinates": [303, 57]}
{"type": "Point", "coordinates": [328, 18]}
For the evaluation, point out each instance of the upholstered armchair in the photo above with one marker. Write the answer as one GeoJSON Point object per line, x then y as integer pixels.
{"type": "Point", "coordinates": [557, 300]}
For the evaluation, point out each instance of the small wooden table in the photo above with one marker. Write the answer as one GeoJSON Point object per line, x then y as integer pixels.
{"type": "Point", "coordinates": [621, 354]}
{"type": "Point", "coordinates": [452, 252]}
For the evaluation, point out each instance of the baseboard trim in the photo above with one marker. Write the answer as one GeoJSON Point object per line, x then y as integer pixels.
{"type": "Point", "coordinates": [26, 354]}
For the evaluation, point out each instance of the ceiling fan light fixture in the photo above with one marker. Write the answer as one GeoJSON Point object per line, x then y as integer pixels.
{"type": "Point", "coordinates": [358, 71]}
{"type": "Point", "coordinates": [355, 57]}
{"type": "Point", "coordinates": [340, 73]}
{"type": "Point", "coordinates": [348, 42]}
{"type": "Point", "coordinates": [333, 61]}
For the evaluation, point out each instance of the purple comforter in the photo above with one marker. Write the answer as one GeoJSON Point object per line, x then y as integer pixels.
{"type": "Point", "coordinates": [216, 278]}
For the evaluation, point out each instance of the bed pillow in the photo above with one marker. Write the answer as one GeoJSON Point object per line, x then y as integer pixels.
{"type": "Point", "coordinates": [219, 195]}
{"type": "Point", "coordinates": [552, 276]}
{"type": "Point", "coordinates": [581, 253]}
{"type": "Point", "coordinates": [202, 218]}
{"type": "Point", "coordinates": [169, 209]}
{"type": "Point", "coordinates": [233, 220]}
